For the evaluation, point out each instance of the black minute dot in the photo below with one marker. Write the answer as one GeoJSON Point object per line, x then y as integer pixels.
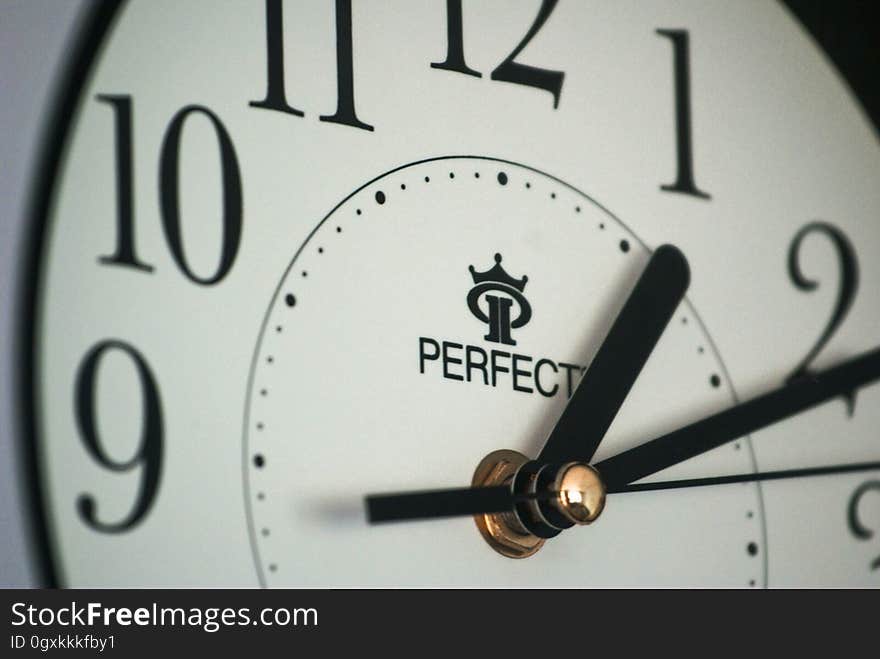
{"type": "Point", "coordinates": [265, 532]}
{"type": "Point", "coordinates": [715, 381]}
{"type": "Point", "coordinates": [270, 359]}
{"type": "Point", "coordinates": [263, 392]}
{"type": "Point", "coordinates": [624, 246]}
{"type": "Point", "coordinates": [476, 174]}
{"type": "Point", "coordinates": [338, 229]}
{"type": "Point", "coordinates": [289, 300]}
{"type": "Point", "coordinates": [553, 195]}
{"type": "Point", "coordinates": [305, 274]}
{"type": "Point", "coordinates": [577, 209]}
{"type": "Point", "coordinates": [427, 179]}
{"type": "Point", "coordinates": [320, 250]}
{"type": "Point", "coordinates": [752, 548]}
{"type": "Point", "coordinates": [380, 197]}
{"type": "Point", "coordinates": [752, 582]}
{"type": "Point", "coordinates": [273, 568]}
{"type": "Point", "coordinates": [278, 328]}
{"type": "Point", "coordinates": [260, 426]}
{"type": "Point", "coordinates": [260, 496]}
{"type": "Point", "coordinates": [602, 227]}
{"type": "Point", "coordinates": [403, 186]}
{"type": "Point", "coordinates": [528, 185]}
{"type": "Point", "coordinates": [259, 461]}
{"type": "Point", "coordinates": [451, 174]}
{"type": "Point", "coordinates": [502, 178]}
{"type": "Point", "coordinates": [358, 211]}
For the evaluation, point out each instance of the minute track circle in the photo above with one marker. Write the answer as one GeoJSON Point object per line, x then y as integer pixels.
{"type": "Point", "coordinates": [360, 216]}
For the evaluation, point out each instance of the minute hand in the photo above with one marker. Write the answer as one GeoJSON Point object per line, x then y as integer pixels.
{"type": "Point", "coordinates": [738, 421]}
{"type": "Point", "coordinates": [620, 358]}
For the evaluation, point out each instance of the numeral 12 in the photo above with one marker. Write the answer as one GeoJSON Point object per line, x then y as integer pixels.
{"type": "Point", "coordinates": [509, 70]}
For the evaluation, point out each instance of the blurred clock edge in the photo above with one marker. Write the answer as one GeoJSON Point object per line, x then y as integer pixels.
{"type": "Point", "coordinates": [848, 32]}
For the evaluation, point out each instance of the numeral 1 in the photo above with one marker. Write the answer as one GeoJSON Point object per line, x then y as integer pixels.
{"type": "Point", "coordinates": [345, 113]}
{"type": "Point", "coordinates": [275, 99]}
{"type": "Point", "coordinates": [684, 181]}
{"type": "Point", "coordinates": [125, 250]}
{"type": "Point", "coordinates": [455, 43]}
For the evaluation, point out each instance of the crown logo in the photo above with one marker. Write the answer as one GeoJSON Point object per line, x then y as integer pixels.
{"type": "Point", "coordinates": [497, 274]}
{"type": "Point", "coordinates": [492, 299]}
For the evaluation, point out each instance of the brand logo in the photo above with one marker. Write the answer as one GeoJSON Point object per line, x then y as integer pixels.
{"type": "Point", "coordinates": [496, 280]}
{"type": "Point", "coordinates": [491, 300]}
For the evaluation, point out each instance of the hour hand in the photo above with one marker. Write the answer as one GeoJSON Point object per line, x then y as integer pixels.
{"type": "Point", "coordinates": [620, 359]}
{"type": "Point", "coordinates": [432, 504]}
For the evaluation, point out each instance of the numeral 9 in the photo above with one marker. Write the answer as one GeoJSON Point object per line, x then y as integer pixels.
{"type": "Point", "coordinates": [149, 454]}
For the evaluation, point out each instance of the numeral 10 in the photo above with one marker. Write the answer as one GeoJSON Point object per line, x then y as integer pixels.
{"type": "Point", "coordinates": [169, 189]}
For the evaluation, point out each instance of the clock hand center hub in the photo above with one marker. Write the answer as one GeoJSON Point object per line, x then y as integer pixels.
{"type": "Point", "coordinates": [548, 499]}
{"type": "Point", "coordinates": [580, 493]}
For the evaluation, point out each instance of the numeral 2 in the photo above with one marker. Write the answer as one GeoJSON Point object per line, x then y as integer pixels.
{"type": "Point", "coordinates": [846, 292]}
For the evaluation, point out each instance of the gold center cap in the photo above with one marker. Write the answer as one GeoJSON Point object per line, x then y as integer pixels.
{"type": "Point", "coordinates": [573, 494]}
{"type": "Point", "coordinates": [581, 493]}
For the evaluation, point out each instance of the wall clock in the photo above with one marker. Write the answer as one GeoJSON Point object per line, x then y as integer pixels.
{"type": "Point", "coordinates": [552, 262]}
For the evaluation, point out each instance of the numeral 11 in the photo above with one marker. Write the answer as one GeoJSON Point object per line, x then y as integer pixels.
{"type": "Point", "coordinates": [276, 97]}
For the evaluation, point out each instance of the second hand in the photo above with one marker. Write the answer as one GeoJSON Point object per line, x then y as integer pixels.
{"type": "Point", "coordinates": [745, 478]}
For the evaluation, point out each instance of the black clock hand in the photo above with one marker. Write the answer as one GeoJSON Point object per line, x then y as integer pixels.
{"type": "Point", "coordinates": [440, 503]}
{"type": "Point", "coordinates": [620, 471]}
{"type": "Point", "coordinates": [738, 421]}
{"type": "Point", "coordinates": [620, 358]}
{"type": "Point", "coordinates": [748, 478]}
{"type": "Point", "coordinates": [482, 500]}
{"type": "Point", "coordinates": [575, 493]}
{"type": "Point", "coordinates": [594, 404]}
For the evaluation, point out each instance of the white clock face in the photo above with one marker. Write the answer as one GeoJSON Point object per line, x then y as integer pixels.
{"type": "Point", "coordinates": [296, 254]}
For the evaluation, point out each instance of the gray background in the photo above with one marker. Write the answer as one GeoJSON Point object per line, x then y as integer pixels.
{"type": "Point", "coordinates": [35, 38]}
